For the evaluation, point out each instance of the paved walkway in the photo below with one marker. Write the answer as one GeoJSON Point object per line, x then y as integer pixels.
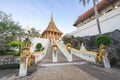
{"type": "Point", "coordinates": [81, 71]}
{"type": "Point", "coordinates": [100, 72]}
{"type": "Point", "coordinates": [8, 74]}
{"type": "Point", "coordinates": [85, 71]}
{"type": "Point", "coordinates": [66, 72]}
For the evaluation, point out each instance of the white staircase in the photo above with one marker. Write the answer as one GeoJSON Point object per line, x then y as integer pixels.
{"type": "Point", "coordinates": [63, 49]}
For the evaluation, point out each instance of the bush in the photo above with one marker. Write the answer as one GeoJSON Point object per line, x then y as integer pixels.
{"type": "Point", "coordinates": [27, 41]}
{"type": "Point", "coordinates": [17, 53]}
{"type": "Point", "coordinates": [14, 53]}
{"type": "Point", "coordinates": [39, 47]}
{"type": "Point", "coordinates": [15, 44]}
{"type": "Point", "coordinates": [103, 39]}
{"type": "Point", "coordinates": [2, 53]}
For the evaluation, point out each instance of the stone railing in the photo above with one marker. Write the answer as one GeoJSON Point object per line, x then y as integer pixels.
{"type": "Point", "coordinates": [9, 60]}
{"type": "Point", "coordinates": [84, 54]}
{"type": "Point", "coordinates": [63, 49]}
{"type": "Point", "coordinates": [39, 55]}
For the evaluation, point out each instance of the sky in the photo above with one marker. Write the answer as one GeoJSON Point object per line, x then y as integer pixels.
{"type": "Point", "coordinates": [37, 13]}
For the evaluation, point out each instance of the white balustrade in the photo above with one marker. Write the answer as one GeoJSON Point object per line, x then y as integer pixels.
{"type": "Point", "coordinates": [23, 68]}
{"type": "Point", "coordinates": [63, 49]}
{"type": "Point", "coordinates": [83, 53]}
{"type": "Point", "coordinates": [39, 56]}
{"type": "Point", "coordinates": [54, 56]}
{"type": "Point", "coordinates": [86, 55]}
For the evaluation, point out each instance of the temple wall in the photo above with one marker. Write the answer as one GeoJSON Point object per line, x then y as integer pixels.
{"type": "Point", "coordinates": [109, 22]}
{"type": "Point", "coordinates": [38, 40]}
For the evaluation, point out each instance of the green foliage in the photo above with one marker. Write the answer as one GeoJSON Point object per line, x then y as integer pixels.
{"type": "Point", "coordinates": [9, 30]}
{"type": "Point", "coordinates": [27, 41]}
{"type": "Point", "coordinates": [15, 44]}
{"type": "Point", "coordinates": [103, 39]}
{"type": "Point", "coordinates": [5, 53]}
{"type": "Point", "coordinates": [7, 24]}
{"type": "Point", "coordinates": [75, 41]}
{"type": "Point", "coordinates": [39, 47]}
{"type": "Point", "coordinates": [68, 39]}
{"type": "Point", "coordinates": [14, 53]}
{"type": "Point", "coordinates": [17, 53]}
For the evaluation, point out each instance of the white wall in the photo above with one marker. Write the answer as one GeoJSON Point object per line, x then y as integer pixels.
{"type": "Point", "coordinates": [35, 41]}
{"type": "Point", "coordinates": [109, 22]}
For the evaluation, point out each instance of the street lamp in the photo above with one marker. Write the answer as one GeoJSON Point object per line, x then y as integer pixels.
{"type": "Point", "coordinates": [54, 47]}
{"type": "Point", "coordinates": [54, 53]}
{"type": "Point", "coordinates": [68, 47]}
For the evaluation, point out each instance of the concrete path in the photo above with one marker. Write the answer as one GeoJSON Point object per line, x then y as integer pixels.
{"type": "Point", "coordinates": [65, 72]}
{"type": "Point", "coordinates": [100, 72]}
{"type": "Point", "coordinates": [8, 74]}
{"type": "Point", "coordinates": [84, 71]}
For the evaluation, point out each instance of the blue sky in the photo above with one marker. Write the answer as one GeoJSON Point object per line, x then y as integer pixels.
{"type": "Point", "coordinates": [37, 13]}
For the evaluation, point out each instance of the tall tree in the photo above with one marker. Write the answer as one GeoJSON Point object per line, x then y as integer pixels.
{"type": "Point", "coordinates": [8, 29]}
{"type": "Point", "coordinates": [96, 12]}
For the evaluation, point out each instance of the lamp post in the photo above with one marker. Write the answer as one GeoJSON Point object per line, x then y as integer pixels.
{"type": "Point", "coordinates": [68, 47]}
{"type": "Point", "coordinates": [54, 47]}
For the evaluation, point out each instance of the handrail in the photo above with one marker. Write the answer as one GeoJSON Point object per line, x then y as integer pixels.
{"type": "Point", "coordinates": [63, 49]}
{"type": "Point", "coordinates": [84, 54]}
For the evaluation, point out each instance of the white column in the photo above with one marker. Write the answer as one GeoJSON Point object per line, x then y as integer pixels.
{"type": "Point", "coordinates": [23, 68]}
{"type": "Point", "coordinates": [106, 61]}
{"type": "Point", "coordinates": [70, 55]}
{"type": "Point", "coordinates": [54, 56]}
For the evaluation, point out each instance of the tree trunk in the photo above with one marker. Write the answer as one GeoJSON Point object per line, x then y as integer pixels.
{"type": "Point", "coordinates": [96, 16]}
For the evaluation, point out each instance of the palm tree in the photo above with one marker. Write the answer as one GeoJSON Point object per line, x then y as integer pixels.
{"type": "Point", "coordinates": [96, 13]}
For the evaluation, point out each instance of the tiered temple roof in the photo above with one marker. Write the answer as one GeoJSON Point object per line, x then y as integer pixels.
{"type": "Point", "coordinates": [51, 31]}
{"type": "Point", "coordinates": [52, 26]}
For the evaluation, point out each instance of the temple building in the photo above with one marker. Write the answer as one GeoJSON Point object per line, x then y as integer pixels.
{"type": "Point", "coordinates": [109, 16]}
{"type": "Point", "coordinates": [52, 32]}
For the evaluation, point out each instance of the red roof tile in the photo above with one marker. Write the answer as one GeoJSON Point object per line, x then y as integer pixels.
{"type": "Point", "coordinates": [84, 16]}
